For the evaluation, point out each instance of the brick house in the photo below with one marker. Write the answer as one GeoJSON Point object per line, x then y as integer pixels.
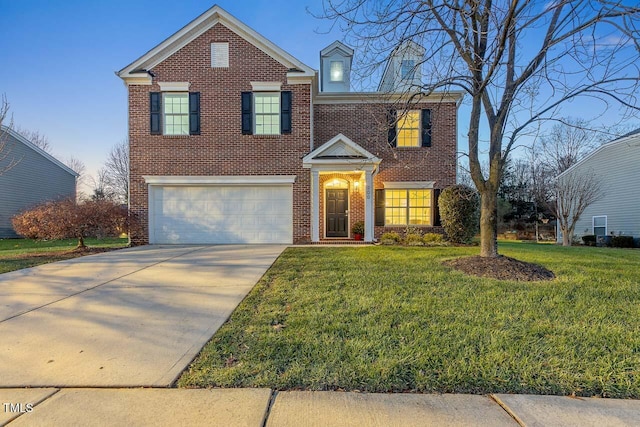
{"type": "Point", "coordinates": [233, 140]}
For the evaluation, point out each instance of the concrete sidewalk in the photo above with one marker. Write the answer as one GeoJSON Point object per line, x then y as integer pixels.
{"type": "Point", "coordinates": [258, 407]}
{"type": "Point", "coordinates": [128, 318]}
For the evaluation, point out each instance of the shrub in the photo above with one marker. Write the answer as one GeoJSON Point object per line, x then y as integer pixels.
{"type": "Point", "coordinates": [622, 241]}
{"type": "Point", "coordinates": [390, 238]}
{"type": "Point", "coordinates": [413, 240]}
{"type": "Point", "coordinates": [459, 212]}
{"type": "Point", "coordinates": [66, 219]}
{"type": "Point", "coordinates": [358, 227]}
{"type": "Point", "coordinates": [433, 239]}
{"type": "Point", "coordinates": [589, 240]}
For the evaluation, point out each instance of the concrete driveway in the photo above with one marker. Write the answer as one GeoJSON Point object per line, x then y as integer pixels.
{"type": "Point", "coordinates": [128, 318]}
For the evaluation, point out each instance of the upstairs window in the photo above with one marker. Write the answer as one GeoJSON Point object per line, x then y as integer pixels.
{"type": "Point", "coordinates": [408, 69]}
{"type": "Point", "coordinates": [409, 129]}
{"type": "Point", "coordinates": [174, 113]}
{"type": "Point", "coordinates": [336, 71]}
{"type": "Point", "coordinates": [267, 113]}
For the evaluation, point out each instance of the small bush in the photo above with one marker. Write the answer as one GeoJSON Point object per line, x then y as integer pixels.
{"type": "Point", "coordinates": [413, 240]}
{"type": "Point", "coordinates": [390, 238]}
{"type": "Point", "coordinates": [622, 241]}
{"type": "Point", "coordinates": [434, 239]}
{"type": "Point", "coordinates": [589, 240]}
{"type": "Point", "coordinates": [459, 212]}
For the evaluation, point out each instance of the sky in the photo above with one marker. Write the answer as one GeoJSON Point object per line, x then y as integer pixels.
{"type": "Point", "coordinates": [59, 58]}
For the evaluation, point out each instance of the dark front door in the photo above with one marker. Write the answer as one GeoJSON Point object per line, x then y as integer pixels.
{"type": "Point", "coordinates": [337, 206]}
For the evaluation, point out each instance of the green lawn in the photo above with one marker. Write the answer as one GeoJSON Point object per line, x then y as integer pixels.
{"type": "Point", "coordinates": [16, 254]}
{"type": "Point", "coordinates": [383, 319]}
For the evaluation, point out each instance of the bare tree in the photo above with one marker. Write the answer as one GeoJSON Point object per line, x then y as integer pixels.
{"type": "Point", "coordinates": [7, 161]}
{"type": "Point", "coordinates": [35, 137]}
{"type": "Point", "coordinates": [117, 171]}
{"type": "Point", "coordinates": [518, 62]}
{"type": "Point", "coordinates": [566, 143]}
{"type": "Point", "coordinates": [574, 193]}
{"type": "Point", "coordinates": [78, 167]}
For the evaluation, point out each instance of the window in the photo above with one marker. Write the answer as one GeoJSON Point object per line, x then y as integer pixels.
{"type": "Point", "coordinates": [408, 207]}
{"type": "Point", "coordinates": [600, 226]}
{"type": "Point", "coordinates": [176, 113]}
{"type": "Point", "coordinates": [336, 71]}
{"type": "Point", "coordinates": [267, 113]}
{"type": "Point", "coordinates": [408, 69]}
{"type": "Point", "coordinates": [409, 129]}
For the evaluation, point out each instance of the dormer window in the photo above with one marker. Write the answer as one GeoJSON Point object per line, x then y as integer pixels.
{"type": "Point", "coordinates": [336, 73]}
{"type": "Point", "coordinates": [408, 69]}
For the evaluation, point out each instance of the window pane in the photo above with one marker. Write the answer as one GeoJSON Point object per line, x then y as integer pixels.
{"type": "Point", "coordinates": [407, 68]}
{"type": "Point", "coordinates": [267, 113]}
{"type": "Point", "coordinates": [409, 129]}
{"type": "Point", "coordinates": [336, 71]}
{"type": "Point", "coordinates": [599, 221]}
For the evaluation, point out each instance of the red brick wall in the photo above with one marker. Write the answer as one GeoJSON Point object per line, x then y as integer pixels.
{"type": "Point", "coordinates": [220, 149]}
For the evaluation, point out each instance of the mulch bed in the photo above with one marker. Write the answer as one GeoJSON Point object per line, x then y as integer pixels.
{"type": "Point", "coordinates": [502, 268]}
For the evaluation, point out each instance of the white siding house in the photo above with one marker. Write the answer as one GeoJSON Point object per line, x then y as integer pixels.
{"type": "Point", "coordinates": [36, 177]}
{"type": "Point", "coordinates": [617, 165]}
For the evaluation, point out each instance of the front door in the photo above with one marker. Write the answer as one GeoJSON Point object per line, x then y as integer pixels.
{"type": "Point", "coordinates": [337, 202]}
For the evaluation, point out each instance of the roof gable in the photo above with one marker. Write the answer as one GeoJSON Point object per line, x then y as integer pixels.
{"type": "Point", "coordinates": [137, 71]}
{"type": "Point", "coordinates": [337, 46]}
{"type": "Point", "coordinates": [18, 137]}
{"type": "Point", "coordinates": [339, 149]}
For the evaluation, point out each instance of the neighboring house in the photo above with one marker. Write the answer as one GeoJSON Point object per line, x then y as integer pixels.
{"type": "Point", "coordinates": [233, 140]}
{"type": "Point", "coordinates": [616, 165]}
{"type": "Point", "coordinates": [36, 177]}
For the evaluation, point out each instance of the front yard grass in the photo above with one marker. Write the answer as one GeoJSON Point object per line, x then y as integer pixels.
{"type": "Point", "coordinates": [16, 254]}
{"type": "Point", "coordinates": [383, 319]}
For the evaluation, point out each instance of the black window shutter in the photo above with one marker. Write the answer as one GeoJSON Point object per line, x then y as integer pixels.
{"type": "Point", "coordinates": [155, 110]}
{"type": "Point", "coordinates": [426, 128]}
{"type": "Point", "coordinates": [194, 113]}
{"type": "Point", "coordinates": [285, 112]}
{"type": "Point", "coordinates": [436, 208]}
{"type": "Point", "coordinates": [391, 122]}
{"type": "Point", "coordinates": [247, 113]}
{"type": "Point", "coordinates": [379, 207]}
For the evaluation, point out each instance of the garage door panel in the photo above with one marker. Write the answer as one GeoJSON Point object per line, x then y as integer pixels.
{"type": "Point", "coordinates": [219, 214]}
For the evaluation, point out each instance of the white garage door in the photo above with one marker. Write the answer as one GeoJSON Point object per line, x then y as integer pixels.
{"type": "Point", "coordinates": [221, 214]}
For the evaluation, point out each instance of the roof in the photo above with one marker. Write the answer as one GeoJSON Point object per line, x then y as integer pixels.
{"type": "Point", "coordinates": [137, 71]}
{"type": "Point", "coordinates": [631, 139]}
{"type": "Point", "coordinates": [37, 149]}
{"type": "Point", "coordinates": [337, 45]}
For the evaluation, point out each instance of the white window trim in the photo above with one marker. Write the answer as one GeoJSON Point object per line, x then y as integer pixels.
{"type": "Point", "coordinates": [278, 113]}
{"type": "Point", "coordinates": [593, 223]}
{"type": "Point", "coordinates": [266, 86]}
{"type": "Point", "coordinates": [174, 86]}
{"type": "Point", "coordinates": [408, 207]}
{"type": "Point", "coordinates": [410, 185]}
{"type": "Point", "coordinates": [164, 114]}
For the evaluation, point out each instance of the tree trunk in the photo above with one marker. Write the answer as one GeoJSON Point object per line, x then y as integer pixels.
{"type": "Point", "coordinates": [81, 244]}
{"type": "Point", "coordinates": [488, 224]}
{"type": "Point", "coordinates": [567, 236]}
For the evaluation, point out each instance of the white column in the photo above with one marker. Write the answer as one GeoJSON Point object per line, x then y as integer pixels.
{"type": "Point", "coordinates": [315, 206]}
{"type": "Point", "coordinates": [368, 206]}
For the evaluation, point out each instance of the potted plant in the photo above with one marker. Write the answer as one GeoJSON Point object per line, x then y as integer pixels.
{"type": "Point", "coordinates": [358, 230]}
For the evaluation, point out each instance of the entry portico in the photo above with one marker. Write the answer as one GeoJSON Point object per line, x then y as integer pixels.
{"type": "Point", "coordinates": [345, 161]}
